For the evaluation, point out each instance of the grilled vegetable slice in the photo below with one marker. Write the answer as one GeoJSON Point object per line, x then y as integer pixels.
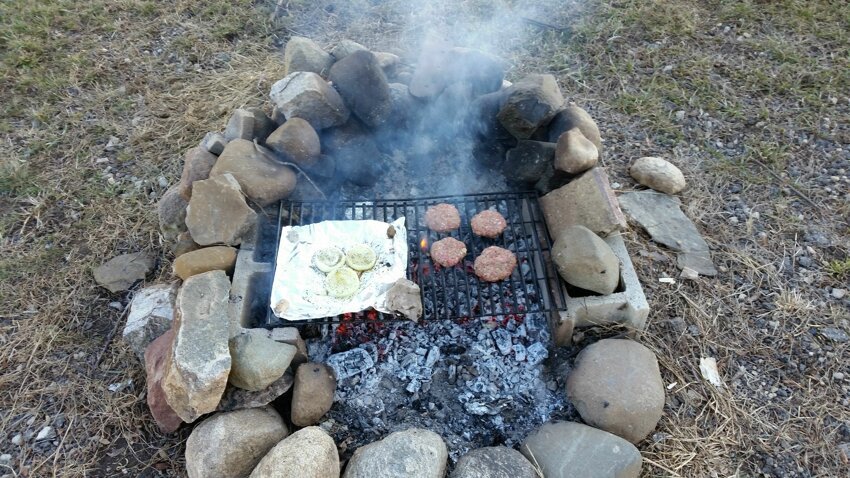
{"type": "Point", "coordinates": [328, 259]}
{"type": "Point", "coordinates": [342, 282]}
{"type": "Point", "coordinates": [361, 257]}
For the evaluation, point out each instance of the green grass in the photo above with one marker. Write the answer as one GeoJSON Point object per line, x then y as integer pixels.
{"type": "Point", "coordinates": [840, 269]}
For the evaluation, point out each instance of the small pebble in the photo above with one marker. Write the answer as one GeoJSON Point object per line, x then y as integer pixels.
{"type": "Point", "coordinates": [5, 458]}
{"type": "Point", "coordinates": [733, 220]}
{"type": "Point", "coordinates": [838, 293]}
{"type": "Point", "coordinates": [18, 440]}
{"type": "Point", "coordinates": [838, 376]}
{"type": "Point", "coordinates": [45, 433]}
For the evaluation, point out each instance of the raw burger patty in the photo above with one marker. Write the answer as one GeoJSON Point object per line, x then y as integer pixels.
{"type": "Point", "coordinates": [495, 264]}
{"type": "Point", "coordinates": [488, 223]}
{"type": "Point", "coordinates": [442, 218]}
{"type": "Point", "coordinates": [448, 252]}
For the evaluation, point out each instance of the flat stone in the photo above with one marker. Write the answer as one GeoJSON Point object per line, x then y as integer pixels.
{"type": "Point", "coordinates": [363, 86]}
{"type": "Point", "coordinates": [662, 218]}
{"type": "Point", "coordinates": [658, 174]}
{"type": "Point", "coordinates": [258, 360]}
{"type": "Point", "coordinates": [171, 209]}
{"type": "Point", "coordinates": [567, 449]}
{"type": "Point", "coordinates": [307, 453]}
{"type": "Point", "coordinates": [313, 393]}
{"type": "Point", "coordinates": [123, 271]}
{"type": "Point", "coordinates": [200, 363]}
{"type": "Point", "coordinates": [304, 55]}
{"type": "Point", "coordinates": [214, 143]}
{"type": "Point", "coordinates": [307, 96]}
{"type": "Point", "coordinates": [575, 153]}
{"type": "Point", "coordinates": [586, 201]}
{"type": "Point", "coordinates": [616, 386]}
{"type": "Point", "coordinates": [494, 462]}
{"type": "Point", "coordinates": [263, 179]}
{"type": "Point", "coordinates": [297, 142]}
{"type": "Point", "coordinates": [157, 358]}
{"type": "Point", "coordinates": [346, 47]}
{"type": "Point", "coordinates": [235, 398]}
{"type": "Point", "coordinates": [291, 336]}
{"type": "Point", "coordinates": [151, 314]}
{"type": "Point", "coordinates": [215, 258]}
{"type": "Point", "coordinates": [405, 297]}
{"type": "Point", "coordinates": [528, 161]}
{"type": "Point", "coordinates": [571, 117]}
{"type": "Point", "coordinates": [413, 453]}
{"type": "Point", "coordinates": [529, 104]}
{"type": "Point", "coordinates": [217, 212]}
{"type": "Point", "coordinates": [834, 334]}
{"type": "Point", "coordinates": [197, 164]}
{"type": "Point", "coordinates": [586, 261]}
{"type": "Point", "coordinates": [230, 444]}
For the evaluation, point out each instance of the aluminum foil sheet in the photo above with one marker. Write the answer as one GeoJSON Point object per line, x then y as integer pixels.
{"type": "Point", "coordinates": [298, 290]}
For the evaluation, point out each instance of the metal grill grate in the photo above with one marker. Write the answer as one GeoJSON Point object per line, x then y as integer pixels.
{"type": "Point", "coordinates": [456, 292]}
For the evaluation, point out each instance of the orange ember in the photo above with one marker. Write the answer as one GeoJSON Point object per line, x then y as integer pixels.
{"type": "Point", "coordinates": [424, 243]}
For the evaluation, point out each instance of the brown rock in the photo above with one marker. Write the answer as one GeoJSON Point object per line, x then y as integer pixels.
{"type": "Point", "coordinates": [184, 244]}
{"type": "Point", "coordinates": [258, 361]}
{"type": "Point", "coordinates": [575, 153]}
{"type": "Point", "coordinates": [575, 117]}
{"type": "Point", "coordinates": [121, 272]}
{"type": "Point", "coordinates": [157, 358]}
{"type": "Point", "coordinates": [303, 54]}
{"type": "Point", "coordinates": [616, 386]}
{"type": "Point", "coordinates": [218, 213]}
{"type": "Point", "coordinates": [235, 398]}
{"type": "Point", "coordinates": [291, 336]}
{"type": "Point", "coordinates": [529, 104]}
{"type": "Point", "coordinates": [658, 174]}
{"type": "Point", "coordinates": [307, 453]}
{"type": "Point", "coordinates": [346, 47]}
{"type": "Point", "coordinates": [221, 258]}
{"type": "Point", "coordinates": [263, 179]}
{"type": "Point", "coordinates": [313, 393]}
{"type": "Point", "coordinates": [197, 164]}
{"type": "Point", "coordinates": [296, 141]}
{"type": "Point", "coordinates": [586, 261]}
{"type": "Point", "coordinates": [172, 213]}
{"type": "Point", "coordinates": [586, 201]}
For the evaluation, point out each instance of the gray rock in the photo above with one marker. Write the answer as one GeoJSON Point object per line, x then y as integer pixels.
{"type": "Point", "coordinates": [217, 212]}
{"type": "Point", "coordinates": [307, 453]}
{"type": "Point", "coordinates": [529, 104]}
{"type": "Point", "coordinates": [346, 47]}
{"type": "Point", "coordinates": [200, 364]}
{"type": "Point", "coordinates": [240, 125]}
{"type": "Point", "coordinates": [215, 258]}
{"type": "Point", "coordinates": [575, 153]}
{"type": "Point", "coordinates": [297, 142]}
{"type": "Point", "coordinates": [307, 96]}
{"type": "Point", "coordinates": [122, 272]}
{"type": "Point", "coordinates": [151, 314]}
{"type": "Point", "coordinates": [567, 450]}
{"type": "Point", "coordinates": [291, 336]}
{"type": "Point", "coordinates": [586, 201]}
{"type": "Point", "coordinates": [405, 297]}
{"type": "Point", "coordinates": [481, 71]}
{"type": "Point", "coordinates": [263, 125]}
{"type": "Point", "coordinates": [575, 117]}
{"type": "Point", "coordinates": [258, 360]}
{"type": "Point", "coordinates": [197, 164]}
{"type": "Point", "coordinates": [235, 398]}
{"type": "Point", "coordinates": [214, 143]}
{"type": "Point", "coordinates": [363, 86]}
{"type": "Point", "coordinates": [834, 334]}
{"type": "Point", "coordinates": [494, 462]}
{"type": "Point", "coordinates": [229, 445]}
{"type": "Point", "coordinates": [661, 217]}
{"type": "Point", "coordinates": [389, 62]}
{"type": "Point", "coordinates": [527, 162]}
{"type": "Point", "coordinates": [172, 213]}
{"type": "Point", "coordinates": [304, 55]}
{"type": "Point", "coordinates": [184, 244]}
{"type": "Point", "coordinates": [412, 453]}
{"type": "Point", "coordinates": [586, 261]}
{"type": "Point", "coordinates": [432, 71]}
{"type": "Point", "coordinates": [658, 174]}
{"type": "Point", "coordinates": [616, 386]}
{"type": "Point", "coordinates": [355, 153]}
{"type": "Point", "coordinates": [263, 179]}
{"type": "Point", "coordinates": [403, 104]}
{"type": "Point", "coordinates": [313, 393]}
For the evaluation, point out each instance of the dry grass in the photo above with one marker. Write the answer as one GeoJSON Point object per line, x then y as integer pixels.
{"type": "Point", "coordinates": [75, 74]}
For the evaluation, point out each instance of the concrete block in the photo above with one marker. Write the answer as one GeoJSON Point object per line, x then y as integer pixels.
{"type": "Point", "coordinates": [587, 201]}
{"type": "Point", "coordinates": [626, 306]}
{"type": "Point", "coordinates": [245, 308]}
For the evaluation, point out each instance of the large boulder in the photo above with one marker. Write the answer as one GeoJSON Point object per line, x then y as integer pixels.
{"type": "Point", "coordinates": [363, 86]}
{"type": "Point", "coordinates": [123, 271]}
{"type": "Point", "coordinates": [584, 260]}
{"type": "Point", "coordinates": [313, 393]}
{"type": "Point", "coordinates": [151, 315]}
{"type": "Point", "coordinates": [568, 449]}
{"type": "Point", "coordinates": [197, 164]}
{"type": "Point", "coordinates": [157, 359]}
{"type": "Point", "coordinates": [616, 386]}
{"type": "Point", "coordinates": [528, 161]}
{"type": "Point", "coordinates": [307, 453]}
{"type": "Point", "coordinates": [303, 54]}
{"type": "Point", "coordinates": [218, 213]}
{"type": "Point", "coordinates": [306, 95]}
{"type": "Point", "coordinates": [297, 142]}
{"type": "Point", "coordinates": [229, 445]}
{"type": "Point", "coordinates": [215, 258]}
{"type": "Point", "coordinates": [171, 209]}
{"type": "Point", "coordinates": [263, 179]}
{"type": "Point", "coordinates": [200, 362]}
{"type": "Point", "coordinates": [412, 453]}
{"type": "Point", "coordinates": [575, 153]}
{"type": "Point", "coordinates": [658, 174]}
{"type": "Point", "coordinates": [571, 117]}
{"type": "Point", "coordinates": [529, 104]}
{"type": "Point", "coordinates": [494, 462]}
{"type": "Point", "coordinates": [258, 360]}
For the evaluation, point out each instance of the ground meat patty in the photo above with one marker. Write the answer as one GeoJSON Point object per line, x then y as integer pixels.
{"type": "Point", "coordinates": [495, 264]}
{"type": "Point", "coordinates": [442, 218]}
{"type": "Point", "coordinates": [448, 252]}
{"type": "Point", "coordinates": [488, 223]}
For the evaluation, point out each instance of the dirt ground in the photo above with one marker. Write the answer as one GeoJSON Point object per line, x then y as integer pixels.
{"type": "Point", "coordinates": [749, 98]}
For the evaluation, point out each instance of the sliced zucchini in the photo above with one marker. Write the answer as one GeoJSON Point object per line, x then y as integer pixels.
{"type": "Point", "coordinates": [361, 257]}
{"type": "Point", "coordinates": [342, 282]}
{"type": "Point", "coordinates": [328, 259]}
